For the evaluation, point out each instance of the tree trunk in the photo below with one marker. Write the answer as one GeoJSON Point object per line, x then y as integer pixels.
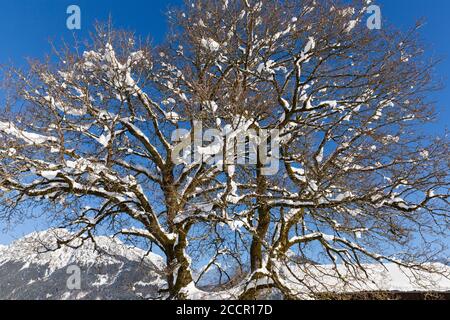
{"type": "Point", "coordinates": [179, 273]}
{"type": "Point", "coordinates": [256, 253]}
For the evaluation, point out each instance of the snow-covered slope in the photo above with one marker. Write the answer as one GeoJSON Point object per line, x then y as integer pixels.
{"type": "Point", "coordinates": [28, 270]}
{"type": "Point", "coordinates": [308, 279]}
{"type": "Point", "coordinates": [388, 277]}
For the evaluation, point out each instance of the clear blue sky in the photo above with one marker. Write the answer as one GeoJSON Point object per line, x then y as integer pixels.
{"type": "Point", "coordinates": [27, 25]}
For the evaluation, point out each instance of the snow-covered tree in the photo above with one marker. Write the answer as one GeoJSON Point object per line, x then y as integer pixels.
{"type": "Point", "coordinates": [89, 136]}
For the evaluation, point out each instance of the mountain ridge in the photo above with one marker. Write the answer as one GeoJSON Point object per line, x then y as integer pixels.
{"type": "Point", "coordinates": [34, 268]}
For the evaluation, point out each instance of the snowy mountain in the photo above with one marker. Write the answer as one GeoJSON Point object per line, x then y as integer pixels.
{"type": "Point", "coordinates": [28, 270]}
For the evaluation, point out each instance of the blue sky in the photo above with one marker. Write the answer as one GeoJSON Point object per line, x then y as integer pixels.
{"type": "Point", "coordinates": [26, 26]}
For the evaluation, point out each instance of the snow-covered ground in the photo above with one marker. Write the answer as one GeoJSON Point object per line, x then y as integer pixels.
{"type": "Point", "coordinates": [387, 277]}
{"type": "Point", "coordinates": [309, 279]}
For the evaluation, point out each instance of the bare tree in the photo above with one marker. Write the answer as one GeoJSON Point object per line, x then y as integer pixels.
{"type": "Point", "coordinates": [92, 143]}
{"type": "Point", "coordinates": [90, 135]}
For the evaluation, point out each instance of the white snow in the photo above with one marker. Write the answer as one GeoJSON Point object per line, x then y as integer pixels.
{"type": "Point", "coordinates": [299, 171]}
{"type": "Point", "coordinates": [29, 137]}
{"type": "Point", "coordinates": [210, 44]}
{"type": "Point", "coordinates": [319, 156]}
{"type": "Point", "coordinates": [310, 45]}
{"type": "Point", "coordinates": [212, 105]}
{"type": "Point", "coordinates": [343, 196]}
{"type": "Point", "coordinates": [235, 224]}
{"type": "Point", "coordinates": [266, 67]}
{"type": "Point", "coordinates": [172, 116]}
{"type": "Point", "coordinates": [102, 279]}
{"type": "Point", "coordinates": [390, 277]}
{"type": "Point", "coordinates": [425, 154]}
{"type": "Point", "coordinates": [351, 25]}
{"type": "Point", "coordinates": [49, 174]}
